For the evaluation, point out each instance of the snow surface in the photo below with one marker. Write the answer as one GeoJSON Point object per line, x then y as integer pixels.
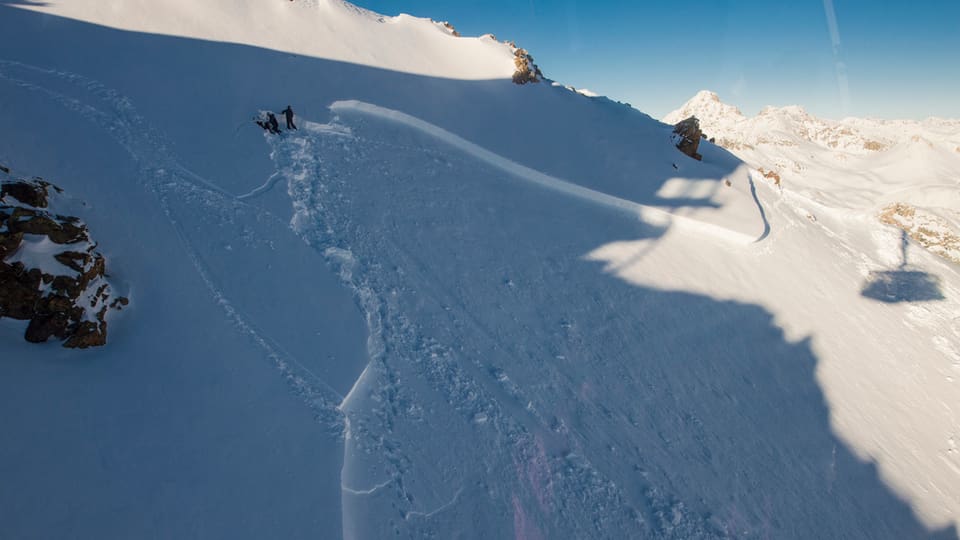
{"type": "Point", "coordinates": [37, 251]}
{"type": "Point", "coordinates": [448, 306]}
{"type": "Point", "coordinates": [855, 163]}
{"type": "Point", "coordinates": [330, 29]}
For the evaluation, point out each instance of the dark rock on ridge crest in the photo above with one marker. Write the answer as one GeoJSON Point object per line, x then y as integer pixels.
{"type": "Point", "coordinates": [687, 137]}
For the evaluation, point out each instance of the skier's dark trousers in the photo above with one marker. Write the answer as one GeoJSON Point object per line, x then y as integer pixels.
{"type": "Point", "coordinates": [288, 113]}
{"type": "Point", "coordinates": [274, 125]}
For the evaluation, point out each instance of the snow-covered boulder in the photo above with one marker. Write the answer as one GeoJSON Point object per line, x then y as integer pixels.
{"type": "Point", "coordinates": [50, 272]}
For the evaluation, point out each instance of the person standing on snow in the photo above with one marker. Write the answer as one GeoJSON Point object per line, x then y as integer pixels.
{"type": "Point", "coordinates": [288, 113]}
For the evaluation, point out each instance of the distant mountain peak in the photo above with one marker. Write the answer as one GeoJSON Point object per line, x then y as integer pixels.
{"type": "Point", "coordinates": [705, 105]}
{"type": "Point", "coordinates": [793, 111]}
{"type": "Point", "coordinates": [786, 126]}
{"type": "Point", "coordinates": [706, 95]}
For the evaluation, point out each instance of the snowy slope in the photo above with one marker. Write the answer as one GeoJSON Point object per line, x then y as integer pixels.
{"type": "Point", "coordinates": [331, 29]}
{"type": "Point", "coordinates": [447, 306]}
{"type": "Point", "coordinates": [864, 165]}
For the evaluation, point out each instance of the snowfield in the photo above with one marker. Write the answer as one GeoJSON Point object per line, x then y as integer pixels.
{"type": "Point", "coordinates": [449, 306]}
{"type": "Point", "coordinates": [864, 166]}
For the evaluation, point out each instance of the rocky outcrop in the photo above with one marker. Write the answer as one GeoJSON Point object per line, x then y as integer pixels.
{"type": "Point", "coordinates": [50, 272]}
{"type": "Point", "coordinates": [450, 29]}
{"type": "Point", "coordinates": [927, 229]}
{"type": "Point", "coordinates": [687, 135]}
{"type": "Point", "coordinates": [527, 71]}
{"type": "Point", "coordinates": [770, 175]}
{"type": "Point", "coordinates": [33, 193]}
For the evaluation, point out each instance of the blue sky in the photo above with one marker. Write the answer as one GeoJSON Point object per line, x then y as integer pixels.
{"type": "Point", "coordinates": [894, 59]}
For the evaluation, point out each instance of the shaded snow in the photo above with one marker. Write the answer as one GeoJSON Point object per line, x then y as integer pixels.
{"type": "Point", "coordinates": [37, 251]}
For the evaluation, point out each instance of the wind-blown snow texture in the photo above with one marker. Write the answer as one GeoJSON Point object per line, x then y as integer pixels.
{"type": "Point", "coordinates": [447, 306]}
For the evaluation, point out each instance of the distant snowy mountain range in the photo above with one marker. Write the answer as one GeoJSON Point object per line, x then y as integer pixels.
{"type": "Point", "coordinates": [904, 172]}
{"type": "Point", "coordinates": [789, 126]}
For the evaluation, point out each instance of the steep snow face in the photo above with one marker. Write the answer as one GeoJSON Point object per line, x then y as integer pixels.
{"type": "Point", "coordinates": [330, 29]}
{"type": "Point", "coordinates": [448, 308]}
{"type": "Point", "coordinates": [540, 369]}
{"type": "Point", "coordinates": [218, 409]}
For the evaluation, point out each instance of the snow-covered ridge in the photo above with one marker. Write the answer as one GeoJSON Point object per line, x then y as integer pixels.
{"type": "Point", "coordinates": [869, 165]}
{"type": "Point", "coordinates": [330, 29]}
{"type": "Point", "coordinates": [792, 125]}
{"type": "Point", "coordinates": [738, 232]}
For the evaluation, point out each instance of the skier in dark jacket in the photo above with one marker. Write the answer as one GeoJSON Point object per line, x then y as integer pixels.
{"type": "Point", "coordinates": [288, 113]}
{"type": "Point", "coordinates": [274, 125]}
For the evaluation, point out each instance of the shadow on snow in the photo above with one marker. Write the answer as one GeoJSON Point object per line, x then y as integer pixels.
{"type": "Point", "coordinates": [902, 284]}
{"type": "Point", "coordinates": [709, 422]}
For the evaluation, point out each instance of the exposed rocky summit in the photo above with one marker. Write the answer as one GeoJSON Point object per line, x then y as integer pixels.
{"type": "Point", "coordinates": [450, 28]}
{"type": "Point", "coordinates": [707, 107]}
{"type": "Point", "coordinates": [527, 71]}
{"type": "Point", "coordinates": [50, 272]}
{"type": "Point", "coordinates": [687, 135]}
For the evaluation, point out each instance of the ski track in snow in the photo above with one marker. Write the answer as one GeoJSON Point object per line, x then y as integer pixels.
{"type": "Point", "coordinates": [402, 350]}
{"type": "Point", "coordinates": [645, 212]}
{"type": "Point", "coordinates": [260, 190]}
{"type": "Point", "coordinates": [547, 480]}
{"type": "Point", "coordinates": [171, 182]}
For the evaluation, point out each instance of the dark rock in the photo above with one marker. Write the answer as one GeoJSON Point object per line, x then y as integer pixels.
{"type": "Point", "coordinates": [33, 193]}
{"type": "Point", "coordinates": [43, 327]}
{"type": "Point", "coordinates": [9, 241]}
{"type": "Point", "coordinates": [67, 285]}
{"type": "Point", "coordinates": [89, 334]}
{"type": "Point", "coordinates": [73, 259]}
{"type": "Point", "coordinates": [527, 71]}
{"type": "Point", "coordinates": [19, 291]}
{"type": "Point", "coordinates": [59, 304]}
{"type": "Point", "coordinates": [70, 306]}
{"type": "Point", "coordinates": [688, 137]}
{"type": "Point", "coordinates": [60, 229]}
